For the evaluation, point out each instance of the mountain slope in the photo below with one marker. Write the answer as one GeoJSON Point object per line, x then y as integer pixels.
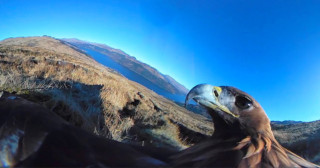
{"type": "Point", "coordinates": [300, 137]}
{"type": "Point", "coordinates": [92, 96]}
{"type": "Point", "coordinates": [176, 84]}
{"type": "Point", "coordinates": [95, 98]}
{"type": "Point", "coordinates": [140, 72]}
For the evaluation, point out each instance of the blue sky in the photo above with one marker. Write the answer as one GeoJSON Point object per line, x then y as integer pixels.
{"type": "Point", "coordinates": [270, 49]}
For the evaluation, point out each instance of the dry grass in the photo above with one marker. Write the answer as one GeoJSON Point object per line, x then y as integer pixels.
{"type": "Point", "coordinates": [301, 138]}
{"type": "Point", "coordinates": [92, 96]}
{"type": "Point", "coordinates": [97, 99]}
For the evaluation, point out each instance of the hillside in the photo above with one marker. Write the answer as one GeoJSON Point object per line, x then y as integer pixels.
{"type": "Point", "coordinates": [300, 137]}
{"type": "Point", "coordinates": [99, 100]}
{"type": "Point", "coordinates": [92, 96]}
{"type": "Point", "coordinates": [138, 71]}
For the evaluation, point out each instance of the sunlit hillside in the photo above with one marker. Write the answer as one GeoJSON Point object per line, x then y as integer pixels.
{"type": "Point", "coordinates": [102, 101]}
{"type": "Point", "coordinates": [93, 96]}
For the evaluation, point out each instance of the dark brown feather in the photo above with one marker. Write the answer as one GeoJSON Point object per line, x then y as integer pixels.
{"type": "Point", "coordinates": [264, 151]}
{"type": "Point", "coordinates": [31, 135]}
{"type": "Point", "coordinates": [241, 142]}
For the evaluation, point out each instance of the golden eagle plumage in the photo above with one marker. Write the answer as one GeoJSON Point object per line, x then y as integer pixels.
{"type": "Point", "coordinates": [31, 135]}
{"type": "Point", "coordinates": [242, 136]}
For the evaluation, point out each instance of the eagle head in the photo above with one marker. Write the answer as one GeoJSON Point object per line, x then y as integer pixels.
{"type": "Point", "coordinates": [231, 105]}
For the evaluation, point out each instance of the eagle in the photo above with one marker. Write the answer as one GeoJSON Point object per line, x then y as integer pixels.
{"type": "Point", "coordinates": [33, 136]}
{"type": "Point", "coordinates": [242, 137]}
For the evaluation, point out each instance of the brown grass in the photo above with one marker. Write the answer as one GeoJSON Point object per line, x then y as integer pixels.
{"type": "Point", "coordinates": [92, 96]}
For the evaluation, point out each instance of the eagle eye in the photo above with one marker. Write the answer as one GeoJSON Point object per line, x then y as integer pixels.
{"type": "Point", "coordinates": [243, 102]}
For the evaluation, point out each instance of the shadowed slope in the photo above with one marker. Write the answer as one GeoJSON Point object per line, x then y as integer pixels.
{"type": "Point", "coordinates": [32, 135]}
{"type": "Point", "coordinates": [160, 80]}
{"type": "Point", "coordinates": [301, 138]}
{"type": "Point", "coordinates": [97, 99]}
{"type": "Point", "coordinates": [92, 96]}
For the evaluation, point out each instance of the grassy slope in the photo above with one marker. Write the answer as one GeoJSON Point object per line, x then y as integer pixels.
{"type": "Point", "coordinates": [94, 97]}
{"type": "Point", "coordinates": [101, 101]}
{"type": "Point", "coordinates": [131, 63]}
{"type": "Point", "coordinates": [301, 138]}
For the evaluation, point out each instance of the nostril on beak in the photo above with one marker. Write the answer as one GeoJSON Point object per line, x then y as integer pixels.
{"type": "Point", "coordinates": [216, 93]}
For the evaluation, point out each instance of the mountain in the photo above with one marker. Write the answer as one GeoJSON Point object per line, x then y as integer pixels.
{"type": "Point", "coordinates": [133, 69]}
{"type": "Point", "coordinates": [94, 97]}
{"type": "Point", "coordinates": [97, 99]}
{"type": "Point", "coordinates": [300, 137]}
{"type": "Point", "coordinates": [286, 122]}
{"type": "Point", "coordinates": [176, 84]}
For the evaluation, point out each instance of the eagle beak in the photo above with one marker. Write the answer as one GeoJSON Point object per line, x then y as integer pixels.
{"type": "Point", "coordinates": [208, 96]}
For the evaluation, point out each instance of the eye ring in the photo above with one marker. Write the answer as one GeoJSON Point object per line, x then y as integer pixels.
{"type": "Point", "coordinates": [243, 102]}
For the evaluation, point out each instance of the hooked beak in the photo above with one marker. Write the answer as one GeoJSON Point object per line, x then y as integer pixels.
{"type": "Point", "coordinates": [209, 97]}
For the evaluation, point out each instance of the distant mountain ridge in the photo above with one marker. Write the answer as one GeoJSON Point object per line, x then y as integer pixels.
{"type": "Point", "coordinates": [160, 83]}
{"type": "Point", "coordinates": [286, 122]}
{"type": "Point", "coordinates": [93, 97]}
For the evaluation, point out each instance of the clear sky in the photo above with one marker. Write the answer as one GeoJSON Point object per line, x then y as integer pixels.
{"type": "Point", "coordinates": [270, 49]}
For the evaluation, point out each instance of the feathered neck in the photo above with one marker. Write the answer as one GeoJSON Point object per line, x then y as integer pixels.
{"type": "Point", "coordinates": [231, 146]}
{"type": "Point", "coordinates": [263, 150]}
{"type": "Point", "coordinates": [225, 127]}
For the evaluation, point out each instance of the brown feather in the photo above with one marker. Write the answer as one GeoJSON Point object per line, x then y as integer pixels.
{"type": "Point", "coordinates": [268, 143]}
{"type": "Point", "coordinates": [250, 151]}
{"type": "Point", "coordinates": [33, 136]}
{"type": "Point", "coordinates": [268, 151]}
{"type": "Point", "coordinates": [244, 141]}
